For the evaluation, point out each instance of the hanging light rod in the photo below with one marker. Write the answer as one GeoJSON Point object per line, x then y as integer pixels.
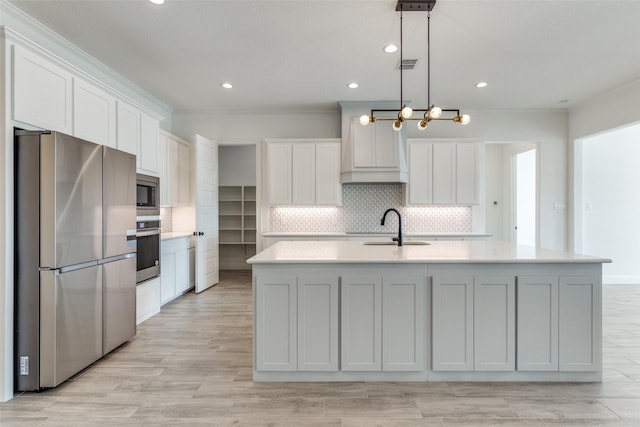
{"type": "Point", "coordinates": [405, 112]}
{"type": "Point", "coordinates": [415, 5]}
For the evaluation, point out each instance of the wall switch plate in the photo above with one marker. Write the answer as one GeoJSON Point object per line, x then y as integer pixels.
{"type": "Point", "coordinates": [558, 206]}
{"type": "Point", "coordinates": [24, 365]}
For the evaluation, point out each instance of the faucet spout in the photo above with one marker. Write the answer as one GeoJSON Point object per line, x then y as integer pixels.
{"type": "Point", "coordinates": [399, 238]}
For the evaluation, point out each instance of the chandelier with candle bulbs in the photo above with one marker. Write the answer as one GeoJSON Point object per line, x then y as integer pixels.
{"type": "Point", "coordinates": [405, 112]}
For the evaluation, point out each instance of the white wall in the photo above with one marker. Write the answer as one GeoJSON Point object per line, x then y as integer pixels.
{"type": "Point", "coordinates": [237, 165]}
{"type": "Point", "coordinates": [615, 109]}
{"type": "Point", "coordinates": [609, 203]}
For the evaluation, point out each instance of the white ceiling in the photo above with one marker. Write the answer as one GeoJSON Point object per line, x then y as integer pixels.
{"type": "Point", "coordinates": [300, 54]}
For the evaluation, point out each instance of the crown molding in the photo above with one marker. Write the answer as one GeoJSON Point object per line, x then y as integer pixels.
{"type": "Point", "coordinates": [72, 54]}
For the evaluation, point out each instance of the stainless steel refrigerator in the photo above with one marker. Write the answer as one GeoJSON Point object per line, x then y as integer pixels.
{"type": "Point", "coordinates": [75, 248]}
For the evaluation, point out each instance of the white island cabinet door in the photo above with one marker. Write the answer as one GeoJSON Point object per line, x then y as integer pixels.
{"type": "Point", "coordinates": [403, 326]}
{"type": "Point", "coordinates": [580, 324]}
{"type": "Point", "coordinates": [276, 321]}
{"type": "Point", "coordinates": [537, 323]}
{"type": "Point", "coordinates": [317, 323]}
{"type": "Point", "coordinates": [452, 325]}
{"type": "Point", "coordinates": [361, 319]}
{"type": "Point", "coordinates": [494, 323]}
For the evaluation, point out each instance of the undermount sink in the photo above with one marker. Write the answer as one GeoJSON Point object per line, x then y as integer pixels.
{"type": "Point", "coordinates": [411, 243]}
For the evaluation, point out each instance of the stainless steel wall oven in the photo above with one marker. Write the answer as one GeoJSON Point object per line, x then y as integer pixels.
{"type": "Point", "coordinates": [148, 259]}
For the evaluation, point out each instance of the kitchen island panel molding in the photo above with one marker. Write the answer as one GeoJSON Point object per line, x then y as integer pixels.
{"type": "Point", "coordinates": [398, 310]}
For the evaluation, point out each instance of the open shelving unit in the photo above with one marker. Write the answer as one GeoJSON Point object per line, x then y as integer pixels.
{"type": "Point", "coordinates": [237, 226]}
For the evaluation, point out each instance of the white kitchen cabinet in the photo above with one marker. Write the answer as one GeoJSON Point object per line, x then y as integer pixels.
{"type": "Point", "coordinates": [175, 268]}
{"type": "Point", "coordinates": [361, 322]}
{"type": "Point", "coordinates": [174, 169]}
{"type": "Point", "coordinates": [403, 321]}
{"type": "Point", "coordinates": [147, 299]}
{"type": "Point", "coordinates": [304, 172]}
{"type": "Point", "coordinates": [279, 173]}
{"type": "Point", "coordinates": [374, 145]}
{"type": "Point", "coordinates": [452, 323]}
{"type": "Point", "coordinates": [317, 323]}
{"type": "Point", "coordinates": [128, 129]}
{"type": "Point", "coordinates": [420, 187]}
{"type": "Point", "coordinates": [327, 174]}
{"type": "Point", "coordinates": [494, 322]}
{"type": "Point", "coordinates": [94, 113]}
{"type": "Point", "coordinates": [467, 174]}
{"type": "Point", "coordinates": [184, 174]}
{"type": "Point", "coordinates": [148, 148]}
{"type": "Point", "coordinates": [276, 312]}
{"type": "Point", "coordinates": [443, 172]}
{"type": "Point", "coordinates": [537, 324]}
{"type": "Point", "coordinates": [559, 323]}
{"type": "Point", "coordinates": [580, 324]}
{"type": "Point", "coordinates": [163, 138]}
{"type": "Point", "coordinates": [42, 92]}
{"type": "Point", "coordinates": [167, 278]}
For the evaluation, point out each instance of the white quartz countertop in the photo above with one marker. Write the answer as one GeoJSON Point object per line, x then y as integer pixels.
{"type": "Point", "coordinates": [358, 234]}
{"type": "Point", "coordinates": [175, 235]}
{"type": "Point", "coordinates": [489, 252]}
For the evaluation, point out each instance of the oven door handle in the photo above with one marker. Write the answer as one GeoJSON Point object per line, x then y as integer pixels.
{"type": "Point", "coordinates": [147, 233]}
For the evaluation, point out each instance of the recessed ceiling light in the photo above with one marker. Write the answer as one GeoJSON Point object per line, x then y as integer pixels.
{"type": "Point", "coordinates": [157, 1]}
{"type": "Point", "coordinates": [391, 48]}
{"type": "Point", "coordinates": [481, 84]}
{"type": "Point", "coordinates": [353, 85]}
{"type": "Point", "coordinates": [226, 85]}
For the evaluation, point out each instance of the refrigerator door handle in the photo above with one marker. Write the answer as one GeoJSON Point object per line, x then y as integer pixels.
{"type": "Point", "coordinates": [69, 268]}
{"type": "Point", "coordinates": [116, 258]}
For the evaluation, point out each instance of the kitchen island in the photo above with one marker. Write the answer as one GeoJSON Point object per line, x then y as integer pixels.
{"type": "Point", "coordinates": [441, 311]}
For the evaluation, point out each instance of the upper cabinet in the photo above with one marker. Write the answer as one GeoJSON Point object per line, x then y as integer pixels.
{"type": "Point", "coordinates": [443, 172]}
{"type": "Point", "coordinates": [174, 156]}
{"type": "Point", "coordinates": [128, 129]}
{"type": "Point", "coordinates": [51, 94]}
{"type": "Point", "coordinates": [371, 153]}
{"type": "Point", "coordinates": [94, 113]}
{"type": "Point", "coordinates": [42, 92]}
{"type": "Point", "coordinates": [303, 171]}
{"type": "Point", "coordinates": [148, 148]}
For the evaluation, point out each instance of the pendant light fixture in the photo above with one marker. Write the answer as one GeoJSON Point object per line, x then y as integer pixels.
{"type": "Point", "coordinates": [405, 112]}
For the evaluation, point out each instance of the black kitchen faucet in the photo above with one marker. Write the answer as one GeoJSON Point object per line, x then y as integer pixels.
{"type": "Point", "coordinates": [399, 238]}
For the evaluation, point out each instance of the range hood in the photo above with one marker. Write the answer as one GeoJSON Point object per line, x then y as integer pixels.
{"type": "Point", "coordinates": [374, 153]}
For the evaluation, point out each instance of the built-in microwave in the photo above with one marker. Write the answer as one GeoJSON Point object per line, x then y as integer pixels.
{"type": "Point", "coordinates": [147, 195]}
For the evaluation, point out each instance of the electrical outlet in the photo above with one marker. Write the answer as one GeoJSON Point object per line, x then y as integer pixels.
{"type": "Point", "coordinates": [24, 365]}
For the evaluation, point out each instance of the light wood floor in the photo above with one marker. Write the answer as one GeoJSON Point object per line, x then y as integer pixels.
{"type": "Point", "coordinates": [191, 365]}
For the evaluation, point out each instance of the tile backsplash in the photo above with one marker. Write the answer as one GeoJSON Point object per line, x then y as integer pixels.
{"type": "Point", "coordinates": [362, 208]}
{"type": "Point", "coordinates": [166, 220]}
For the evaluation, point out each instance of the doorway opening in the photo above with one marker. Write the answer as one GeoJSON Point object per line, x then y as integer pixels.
{"type": "Point", "coordinates": [607, 202]}
{"type": "Point", "coordinates": [524, 177]}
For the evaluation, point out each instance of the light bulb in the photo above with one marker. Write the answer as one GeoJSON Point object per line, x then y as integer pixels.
{"type": "Point", "coordinates": [364, 120]}
{"type": "Point", "coordinates": [465, 119]}
{"type": "Point", "coordinates": [397, 125]}
{"type": "Point", "coordinates": [390, 48]}
{"type": "Point", "coordinates": [422, 124]}
{"type": "Point", "coordinates": [406, 112]}
{"type": "Point", "coordinates": [435, 112]}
